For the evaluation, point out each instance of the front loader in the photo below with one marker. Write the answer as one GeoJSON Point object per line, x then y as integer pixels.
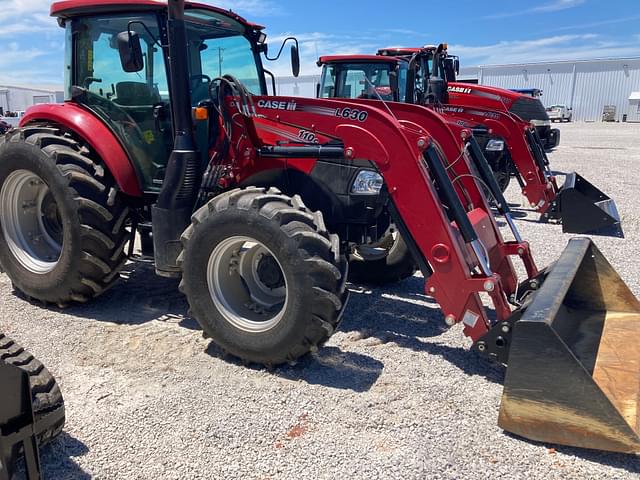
{"type": "Point", "coordinates": [579, 205]}
{"type": "Point", "coordinates": [255, 201]}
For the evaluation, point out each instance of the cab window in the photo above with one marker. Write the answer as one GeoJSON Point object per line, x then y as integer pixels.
{"type": "Point", "coordinates": [125, 101]}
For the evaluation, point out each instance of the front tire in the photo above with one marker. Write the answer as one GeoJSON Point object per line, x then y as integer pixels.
{"type": "Point", "coordinates": [262, 275]}
{"type": "Point", "coordinates": [62, 221]}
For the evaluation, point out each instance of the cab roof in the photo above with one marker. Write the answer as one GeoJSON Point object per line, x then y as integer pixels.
{"type": "Point", "coordinates": [71, 8]}
{"type": "Point", "coordinates": [356, 59]}
{"type": "Point", "coordinates": [405, 51]}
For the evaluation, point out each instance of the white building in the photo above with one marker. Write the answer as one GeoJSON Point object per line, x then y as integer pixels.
{"type": "Point", "coordinates": [588, 86]}
{"type": "Point", "coordinates": [634, 107]}
{"type": "Point", "coordinates": [16, 99]}
{"type": "Point", "coordinates": [303, 86]}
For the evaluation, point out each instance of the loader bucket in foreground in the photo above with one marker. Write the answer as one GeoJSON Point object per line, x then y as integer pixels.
{"type": "Point", "coordinates": [573, 375]}
{"type": "Point", "coordinates": [583, 208]}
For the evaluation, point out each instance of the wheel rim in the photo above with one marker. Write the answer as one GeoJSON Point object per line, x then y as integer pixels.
{"type": "Point", "coordinates": [31, 221]}
{"type": "Point", "coordinates": [247, 284]}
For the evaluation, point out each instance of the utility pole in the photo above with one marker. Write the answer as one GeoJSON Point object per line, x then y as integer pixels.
{"type": "Point", "coordinates": [220, 58]}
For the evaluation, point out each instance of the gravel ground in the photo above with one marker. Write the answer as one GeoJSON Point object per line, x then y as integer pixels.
{"type": "Point", "coordinates": [393, 394]}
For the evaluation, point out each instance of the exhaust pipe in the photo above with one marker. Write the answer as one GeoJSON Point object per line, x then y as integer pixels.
{"type": "Point", "coordinates": [583, 208]}
{"type": "Point", "coordinates": [573, 375]}
{"type": "Point", "coordinates": [172, 212]}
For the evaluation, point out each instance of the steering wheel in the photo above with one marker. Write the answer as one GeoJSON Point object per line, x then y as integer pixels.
{"type": "Point", "coordinates": [196, 80]}
{"type": "Point", "coordinates": [199, 85]}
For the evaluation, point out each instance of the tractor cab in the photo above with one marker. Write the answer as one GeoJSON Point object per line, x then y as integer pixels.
{"type": "Point", "coordinates": [431, 69]}
{"type": "Point", "coordinates": [117, 64]}
{"type": "Point", "coordinates": [363, 77]}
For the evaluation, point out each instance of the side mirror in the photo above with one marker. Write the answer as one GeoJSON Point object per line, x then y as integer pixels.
{"type": "Point", "coordinates": [130, 52]}
{"type": "Point", "coordinates": [295, 60]}
{"type": "Point", "coordinates": [451, 68]}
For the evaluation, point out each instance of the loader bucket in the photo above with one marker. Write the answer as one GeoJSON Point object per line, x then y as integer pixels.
{"type": "Point", "coordinates": [583, 208]}
{"type": "Point", "coordinates": [573, 375]}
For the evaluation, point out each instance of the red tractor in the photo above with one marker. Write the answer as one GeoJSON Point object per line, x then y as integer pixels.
{"type": "Point", "coordinates": [512, 145]}
{"type": "Point", "coordinates": [256, 201]}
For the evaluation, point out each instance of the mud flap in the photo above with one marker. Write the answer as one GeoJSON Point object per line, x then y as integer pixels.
{"type": "Point", "coordinates": [583, 208]}
{"type": "Point", "coordinates": [573, 375]}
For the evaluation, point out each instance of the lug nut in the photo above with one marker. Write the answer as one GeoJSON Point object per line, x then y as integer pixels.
{"type": "Point", "coordinates": [506, 328]}
{"type": "Point", "coordinates": [482, 346]}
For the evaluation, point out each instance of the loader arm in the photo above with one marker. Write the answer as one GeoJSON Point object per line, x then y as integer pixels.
{"type": "Point", "coordinates": [452, 139]}
{"type": "Point", "coordinates": [406, 159]}
{"type": "Point", "coordinates": [539, 187]}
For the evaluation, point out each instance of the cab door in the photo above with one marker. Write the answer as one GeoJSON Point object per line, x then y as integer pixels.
{"type": "Point", "coordinates": [135, 106]}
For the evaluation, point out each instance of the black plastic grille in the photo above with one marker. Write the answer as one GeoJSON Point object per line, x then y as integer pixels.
{"type": "Point", "coordinates": [529, 109]}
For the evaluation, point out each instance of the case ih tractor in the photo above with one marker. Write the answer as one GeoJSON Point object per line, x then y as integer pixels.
{"type": "Point", "coordinates": [256, 201]}
{"type": "Point", "coordinates": [526, 103]}
{"type": "Point", "coordinates": [511, 145]}
{"type": "Point", "coordinates": [31, 409]}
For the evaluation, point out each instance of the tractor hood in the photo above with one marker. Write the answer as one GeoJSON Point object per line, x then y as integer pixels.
{"type": "Point", "coordinates": [527, 108]}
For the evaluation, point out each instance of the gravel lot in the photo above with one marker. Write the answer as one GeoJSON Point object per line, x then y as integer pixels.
{"type": "Point", "coordinates": [393, 395]}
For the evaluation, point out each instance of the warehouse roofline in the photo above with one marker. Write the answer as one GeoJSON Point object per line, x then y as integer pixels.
{"type": "Point", "coordinates": [562, 62]}
{"type": "Point", "coordinates": [35, 88]}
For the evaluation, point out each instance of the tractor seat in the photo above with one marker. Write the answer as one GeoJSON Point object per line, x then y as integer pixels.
{"type": "Point", "coordinates": [135, 94]}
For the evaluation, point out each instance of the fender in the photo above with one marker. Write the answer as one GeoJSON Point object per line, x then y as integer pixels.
{"type": "Point", "coordinates": [96, 134]}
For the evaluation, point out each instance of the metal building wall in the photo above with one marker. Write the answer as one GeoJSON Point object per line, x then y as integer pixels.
{"type": "Point", "coordinates": [586, 85]}
{"type": "Point", "coordinates": [17, 99]}
{"type": "Point", "coordinates": [303, 86]}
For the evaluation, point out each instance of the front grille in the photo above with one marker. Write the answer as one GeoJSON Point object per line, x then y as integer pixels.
{"type": "Point", "coordinates": [529, 109]}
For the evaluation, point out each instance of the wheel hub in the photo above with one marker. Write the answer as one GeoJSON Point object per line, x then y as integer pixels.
{"type": "Point", "coordinates": [247, 284]}
{"type": "Point", "coordinates": [31, 222]}
{"type": "Point", "coordinates": [269, 272]}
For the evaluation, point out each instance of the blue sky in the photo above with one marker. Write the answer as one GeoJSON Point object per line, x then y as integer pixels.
{"type": "Point", "coordinates": [481, 32]}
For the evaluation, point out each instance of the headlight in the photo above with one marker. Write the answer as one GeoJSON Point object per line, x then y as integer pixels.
{"type": "Point", "coordinates": [367, 183]}
{"type": "Point", "coordinates": [494, 145]}
{"type": "Point", "coordinates": [540, 123]}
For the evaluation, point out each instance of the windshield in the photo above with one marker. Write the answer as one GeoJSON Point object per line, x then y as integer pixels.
{"type": "Point", "coordinates": [361, 80]}
{"type": "Point", "coordinates": [218, 46]}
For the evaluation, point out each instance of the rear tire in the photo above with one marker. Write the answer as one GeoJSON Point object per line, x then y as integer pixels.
{"type": "Point", "coordinates": [397, 265]}
{"type": "Point", "coordinates": [45, 393]}
{"type": "Point", "coordinates": [63, 223]}
{"type": "Point", "coordinates": [263, 276]}
{"type": "Point", "coordinates": [503, 178]}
